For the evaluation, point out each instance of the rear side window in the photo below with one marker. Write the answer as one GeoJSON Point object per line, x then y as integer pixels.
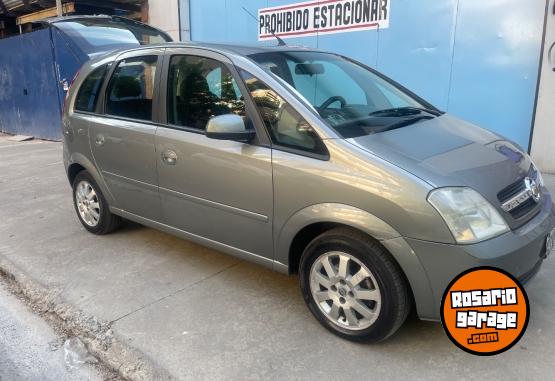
{"type": "Point", "coordinates": [88, 93]}
{"type": "Point", "coordinates": [131, 88]}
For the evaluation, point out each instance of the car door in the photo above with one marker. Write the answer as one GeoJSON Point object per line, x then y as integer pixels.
{"type": "Point", "coordinates": [122, 138]}
{"type": "Point", "coordinates": [220, 190]}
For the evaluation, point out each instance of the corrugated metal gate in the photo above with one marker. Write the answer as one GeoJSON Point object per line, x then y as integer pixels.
{"type": "Point", "coordinates": [29, 98]}
{"type": "Point", "coordinates": [36, 68]}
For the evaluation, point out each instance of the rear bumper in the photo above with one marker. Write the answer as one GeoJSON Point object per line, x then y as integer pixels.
{"type": "Point", "coordinates": [520, 252]}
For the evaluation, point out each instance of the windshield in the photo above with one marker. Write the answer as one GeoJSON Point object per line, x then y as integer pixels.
{"type": "Point", "coordinates": [102, 34]}
{"type": "Point", "coordinates": [353, 100]}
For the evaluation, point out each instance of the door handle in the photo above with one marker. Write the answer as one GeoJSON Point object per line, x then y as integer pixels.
{"type": "Point", "coordinates": [169, 157]}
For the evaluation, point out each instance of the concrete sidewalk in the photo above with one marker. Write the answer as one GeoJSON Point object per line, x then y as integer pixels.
{"type": "Point", "coordinates": [198, 313]}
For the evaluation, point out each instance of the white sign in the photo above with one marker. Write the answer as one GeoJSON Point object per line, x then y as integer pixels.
{"type": "Point", "coordinates": [322, 17]}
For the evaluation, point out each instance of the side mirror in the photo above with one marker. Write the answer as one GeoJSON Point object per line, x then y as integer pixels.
{"type": "Point", "coordinates": [228, 127]}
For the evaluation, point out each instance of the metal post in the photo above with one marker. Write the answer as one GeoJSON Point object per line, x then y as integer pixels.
{"type": "Point", "coordinates": [184, 20]}
{"type": "Point", "coordinates": [179, 18]}
{"type": "Point", "coordinates": [59, 8]}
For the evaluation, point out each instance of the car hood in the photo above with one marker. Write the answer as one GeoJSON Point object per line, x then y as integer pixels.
{"type": "Point", "coordinates": [446, 151]}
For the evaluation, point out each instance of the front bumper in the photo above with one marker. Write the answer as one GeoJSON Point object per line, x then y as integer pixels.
{"type": "Point", "coordinates": [520, 252]}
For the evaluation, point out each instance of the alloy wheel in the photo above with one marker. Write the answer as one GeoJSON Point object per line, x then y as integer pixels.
{"type": "Point", "coordinates": [345, 290]}
{"type": "Point", "coordinates": [88, 204]}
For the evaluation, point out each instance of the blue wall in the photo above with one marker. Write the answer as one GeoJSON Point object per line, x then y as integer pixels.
{"type": "Point", "coordinates": [476, 59]}
{"type": "Point", "coordinates": [31, 92]}
{"type": "Point", "coordinates": [33, 70]}
{"type": "Point", "coordinates": [29, 103]}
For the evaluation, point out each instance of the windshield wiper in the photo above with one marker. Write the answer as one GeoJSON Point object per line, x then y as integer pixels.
{"type": "Point", "coordinates": [405, 122]}
{"type": "Point", "coordinates": [402, 111]}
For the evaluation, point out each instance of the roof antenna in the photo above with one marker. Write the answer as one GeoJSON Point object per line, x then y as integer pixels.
{"type": "Point", "coordinates": [280, 41]}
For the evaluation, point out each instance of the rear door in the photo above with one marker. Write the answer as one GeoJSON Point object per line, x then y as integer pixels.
{"type": "Point", "coordinates": [220, 190]}
{"type": "Point", "coordinates": [122, 139]}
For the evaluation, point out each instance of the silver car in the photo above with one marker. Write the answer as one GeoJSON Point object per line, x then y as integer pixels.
{"type": "Point", "coordinates": [306, 162]}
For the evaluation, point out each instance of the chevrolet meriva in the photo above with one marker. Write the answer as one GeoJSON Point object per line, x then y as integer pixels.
{"type": "Point", "coordinates": [306, 162]}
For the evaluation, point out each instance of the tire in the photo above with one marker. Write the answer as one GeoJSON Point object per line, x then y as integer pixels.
{"type": "Point", "coordinates": [383, 289]}
{"type": "Point", "coordinates": [92, 210]}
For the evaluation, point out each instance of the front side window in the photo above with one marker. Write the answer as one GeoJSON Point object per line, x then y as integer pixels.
{"type": "Point", "coordinates": [200, 88]}
{"type": "Point", "coordinates": [131, 88]}
{"type": "Point", "coordinates": [88, 92]}
{"type": "Point", "coordinates": [286, 126]}
{"type": "Point", "coordinates": [352, 99]}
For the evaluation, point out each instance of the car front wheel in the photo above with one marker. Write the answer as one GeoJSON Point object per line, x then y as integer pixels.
{"type": "Point", "coordinates": [353, 286]}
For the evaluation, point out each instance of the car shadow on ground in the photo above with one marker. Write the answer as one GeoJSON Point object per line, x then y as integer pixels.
{"type": "Point", "coordinates": [281, 288]}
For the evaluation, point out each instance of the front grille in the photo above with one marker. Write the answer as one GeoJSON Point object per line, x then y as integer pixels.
{"type": "Point", "coordinates": [515, 188]}
{"type": "Point", "coordinates": [523, 209]}
{"type": "Point", "coordinates": [511, 190]}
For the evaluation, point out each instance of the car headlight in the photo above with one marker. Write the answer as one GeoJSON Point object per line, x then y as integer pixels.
{"type": "Point", "coordinates": [539, 177]}
{"type": "Point", "coordinates": [469, 216]}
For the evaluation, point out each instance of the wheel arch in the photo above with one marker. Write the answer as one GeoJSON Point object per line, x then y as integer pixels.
{"type": "Point", "coordinates": [308, 223]}
{"type": "Point", "coordinates": [314, 218]}
{"type": "Point", "coordinates": [73, 170]}
{"type": "Point", "coordinates": [79, 162]}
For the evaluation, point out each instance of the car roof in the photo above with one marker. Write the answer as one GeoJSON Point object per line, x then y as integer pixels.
{"type": "Point", "coordinates": [61, 19]}
{"type": "Point", "coordinates": [244, 50]}
{"type": "Point", "coordinates": [52, 20]}
{"type": "Point", "coordinates": [240, 50]}
{"type": "Point", "coordinates": [57, 19]}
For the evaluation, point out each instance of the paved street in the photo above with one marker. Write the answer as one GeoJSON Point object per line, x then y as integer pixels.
{"type": "Point", "coordinates": [30, 349]}
{"type": "Point", "coordinates": [200, 313]}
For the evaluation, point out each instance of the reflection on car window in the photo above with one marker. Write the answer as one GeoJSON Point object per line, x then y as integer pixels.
{"type": "Point", "coordinates": [102, 34]}
{"type": "Point", "coordinates": [332, 81]}
{"type": "Point", "coordinates": [88, 92]}
{"type": "Point", "coordinates": [287, 128]}
{"type": "Point", "coordinates": [131, 88]}
{"type": "Point", "coordinates": [200, 88]}
{"type": "Point", "coordinates": [352, 99]}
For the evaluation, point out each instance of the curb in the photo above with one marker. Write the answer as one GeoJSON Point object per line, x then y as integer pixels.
{"type": "Point", "coordinates": [101, 341]}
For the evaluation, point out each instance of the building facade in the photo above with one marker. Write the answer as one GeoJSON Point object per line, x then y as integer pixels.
{"type": "Point", "coordinates": [489, 62]}
{"type": "Point", "coordinates": [479, 60]}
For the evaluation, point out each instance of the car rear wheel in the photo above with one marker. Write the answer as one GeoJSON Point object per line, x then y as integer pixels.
{"type": "Point", "coordinates": [91, 206]}
{"type": "Point", "coordinates": [353, 286]}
